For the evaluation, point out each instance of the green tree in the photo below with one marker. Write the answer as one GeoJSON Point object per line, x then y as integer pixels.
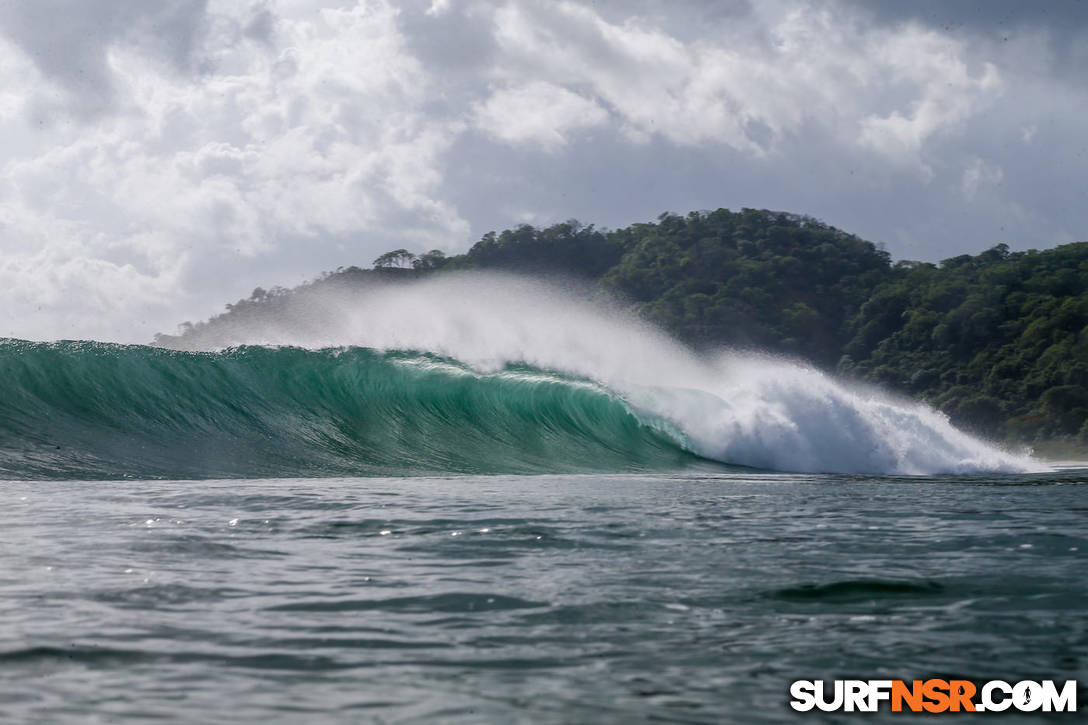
{"type": "Point", "coordinates": [397, 259]}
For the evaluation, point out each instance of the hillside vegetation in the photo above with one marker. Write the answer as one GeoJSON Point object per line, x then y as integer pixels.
{"type": "Point", "coordinates": [998, 340]}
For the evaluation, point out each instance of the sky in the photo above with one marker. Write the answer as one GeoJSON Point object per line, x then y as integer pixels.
{"type": "Point", "coordinates": [158, 160]}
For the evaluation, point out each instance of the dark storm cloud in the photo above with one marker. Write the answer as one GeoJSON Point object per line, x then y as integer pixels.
{"type": "Point", "coordinates": [68, 39]}
{"type": "Point", "coordinates": [1061, 17]}
{"type": "Point", "coordinates": [1063, 23]}
{"type": "Point", "coordinates": [458, 41]}
{"type": "Point", "coordinates": [261, 27]}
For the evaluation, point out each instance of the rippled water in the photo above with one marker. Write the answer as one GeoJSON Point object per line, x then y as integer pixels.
{"type": "Point", "coordinates": [694, 598]}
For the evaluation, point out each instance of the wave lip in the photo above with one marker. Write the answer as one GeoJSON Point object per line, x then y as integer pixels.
{"type": "Point", "coordinates": [773, 414]}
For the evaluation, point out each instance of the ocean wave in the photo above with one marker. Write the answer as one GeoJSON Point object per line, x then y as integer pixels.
{"type": "Point", "coordinates": [98, 410]}
{"type": "Point", "coordinates": [474, 374]}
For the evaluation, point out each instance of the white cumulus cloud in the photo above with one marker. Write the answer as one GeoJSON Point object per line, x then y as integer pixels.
{"type": "Point", "coordinates": [747, 88]}
{"type": "Point", "coordinates": [539, 113]}
{"type": "Point", "coordinates": [302, 145]}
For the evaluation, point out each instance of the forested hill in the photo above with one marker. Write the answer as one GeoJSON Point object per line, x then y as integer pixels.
{"type": "Point", "coordinates": [999, 340]}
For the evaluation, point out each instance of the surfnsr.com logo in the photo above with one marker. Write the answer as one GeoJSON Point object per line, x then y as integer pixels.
{"type": "Point", "coordinates": [933, 696]}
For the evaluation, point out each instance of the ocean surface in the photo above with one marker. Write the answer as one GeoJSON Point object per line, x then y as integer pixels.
{"type": "Point", "coordinates": [692, 597]}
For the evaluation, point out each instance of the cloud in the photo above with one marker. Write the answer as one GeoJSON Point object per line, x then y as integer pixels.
{"type": "Point", "coordinates": [750, 89]}
{"type": "Point", "coordinates": [277, 154]}
{"type": "Point", "coordinates": [539, 113]}
{"type": "Point", "coordinates": [1059, 16]}
{"type": "Point", "coordinates": [980, 173]}
{"type": "Point", "coordinates": [944, 92]}
{"type": "Point", "coordinates": [438, 7]}
{"type": "Point", "coordinates": [68, 40]}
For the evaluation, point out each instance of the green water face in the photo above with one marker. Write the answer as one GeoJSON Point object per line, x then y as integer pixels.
{"type": "Point", "coordinates": [96, 410]}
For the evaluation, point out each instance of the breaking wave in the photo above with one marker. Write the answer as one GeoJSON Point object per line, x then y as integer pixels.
{"type": "Point", "coordinates": [458, 375]}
